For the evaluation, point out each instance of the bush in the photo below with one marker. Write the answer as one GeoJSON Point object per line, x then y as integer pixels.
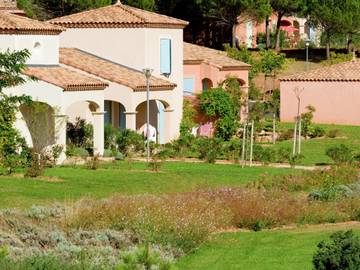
{"type": "Point", "coordinates": [333, 133]}
{"type": "Point", "coordinates": [316, 132]}
{"type": "Point", "coordinates": [340, 154]}
{"type": "Point", "coordinates": [80, 133]}
{"type": "Point", "coordinates": [110, 135]}
{"type": "Point", "coordinates": [108, 153]}
{"type": "Point", "coordinates": [284, 154]}
{"type": "Point", "coordinates": [77, 152]}
{"type": "Point", "coordinates": [208, 149]}
{"type": "Point", "coordinates": [36, 165]}
{"type": "Point", "coordinates": [286, 135]}
{"type": "Point", "coordinates": [232, 149]}
{"type": "Point", "coordinates": [129, 141]}
{"type": "Point", "coordinates": [265, 155]}
{"type": "Point", "coordinates": [342, 252]}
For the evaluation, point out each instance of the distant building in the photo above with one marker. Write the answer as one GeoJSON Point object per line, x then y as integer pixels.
{"type": "Point", "coordinates": [252, 33]}
{"type": "Point", "coordinates": [333, 91]}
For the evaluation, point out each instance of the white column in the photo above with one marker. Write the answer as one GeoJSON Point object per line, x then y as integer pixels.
{"type": "Point", "coordinates": [98, 133]}
{"type": "Point", "coordinates": [244, 111]}
{"type": "Point", "coordinates": [169, 125]}
{"type": "Point", "coordinates": [131, 120]}
{"type": "Point", "coordinates": [60, 135]}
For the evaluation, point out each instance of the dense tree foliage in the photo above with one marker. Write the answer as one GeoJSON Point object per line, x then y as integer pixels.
{"type": "Point", "coordinates": [11, 143]}
{"type": "Point", "coordinates": [334, 17]}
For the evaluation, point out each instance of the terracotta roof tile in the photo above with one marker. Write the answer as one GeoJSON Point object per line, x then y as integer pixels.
{"type": "Point", "coordinates": [65, 78]}
{"type": "Point", "coordinates": [196, 54]}
{"type": "Point", "coordinates": [10, 6]}
{"type": "Point", "coordinates": [111, 71]}
{"type": "Point", "coordinates": [348, 71]}
{"type": "Point", "coordinates": [118, 16]}
{"type": "Point", "coordinates": [15, 24]}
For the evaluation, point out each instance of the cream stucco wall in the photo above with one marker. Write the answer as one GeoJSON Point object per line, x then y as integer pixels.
{"type": "Point", "coordinates": [44, 49]}
{"type": "Point", "coordinates": [335, 102]}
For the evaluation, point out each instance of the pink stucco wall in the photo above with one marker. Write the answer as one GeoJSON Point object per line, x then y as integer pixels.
{"type": "Point", "coordinates": [335, 102]}
{"type": "Point", "coordinates": [205, 71]}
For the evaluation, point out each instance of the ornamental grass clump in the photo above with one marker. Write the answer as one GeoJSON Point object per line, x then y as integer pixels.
{"type": "Point", "coordinates": [179, 220]}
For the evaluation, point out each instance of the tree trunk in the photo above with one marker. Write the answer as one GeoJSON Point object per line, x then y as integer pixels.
{"type": "Point", "coordinates": [234, 35]}
{"type": "Point", "coordinates": [350, 45]}
{"type": "Point", "coordinates": [328, 48]}
{"type": "Point", "coordinates": [277, 34]}
{"type": "Point", "coordinates": [268, 32]}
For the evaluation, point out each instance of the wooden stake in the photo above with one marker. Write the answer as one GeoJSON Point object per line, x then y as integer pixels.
{"type": "Point", "coordinates": [252, 142]}
{"type": "Point", "coordinates": [243, 145]}
{"type": "Point", "coordinates": [295, 138]}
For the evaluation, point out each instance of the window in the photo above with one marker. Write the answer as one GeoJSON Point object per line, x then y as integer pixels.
{"type": "Point", "coordinates": [108, 112]}
{"type": "Point", "coordinates": [189, 86]}
{"type": "Point", "coordinates": [165, 56]}
{"type": "Point", "coordinates": [206, 84]}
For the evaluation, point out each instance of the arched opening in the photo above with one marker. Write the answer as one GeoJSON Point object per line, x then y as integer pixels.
{"type": "Point", "coordinates": [157, 119]}
{"type": "Point", "coordinates": [207, 84]}
{"type": "Point", "coordinates": [40, 122]}
{"type": "Point", "coordinates": [115, 114]}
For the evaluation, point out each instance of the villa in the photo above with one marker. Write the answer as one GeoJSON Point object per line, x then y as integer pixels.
{"type": "Point", "coordinates": [90, 65]}
{"type": "Point", "coordinates": [250, 33]}
{"type": "Point", "coordinates": [333, 91]}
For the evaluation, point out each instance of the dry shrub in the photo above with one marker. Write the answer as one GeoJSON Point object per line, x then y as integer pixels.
{"type": "Point", "coordinates": [256, 209]}
{"type": "Point", "coordinates": [337, 175]}
{"type": "Point", "coordinates": [180, 220]}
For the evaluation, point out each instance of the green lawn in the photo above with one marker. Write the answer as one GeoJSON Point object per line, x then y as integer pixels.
{"type": "Point", "coordinates": [314, 149]}
{"type": "Point", "coordinates": [277, 250]}
{"type": "Point", "coordinates": [78, 181]}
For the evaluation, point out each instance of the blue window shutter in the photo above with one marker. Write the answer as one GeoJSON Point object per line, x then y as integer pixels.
{"type": "Point", "coordinates": [189, 86]}
{"type": "Point", "coordinates": [165, 56]}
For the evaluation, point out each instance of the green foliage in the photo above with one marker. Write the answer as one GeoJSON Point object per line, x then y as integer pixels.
{"type": "Point", "coordinates": [79, 133]}
{"type": "Point", "coordinates": [316, 132]}
{"type": "Point", "coordinates": [221, 106]}
{"type": "Point", "coordinates": [340, 154]}
{"type": "Point", "coordinates": [208, 149]}
{"type": "Point", "coordinates": [342, 252]}
{"type": "Point", "coordinates": [337, 58]}
{"type": "Point", "coordinates": [48, 9]}
{"type": "Point", "coordinates": [187, 122]}
{"type": "Point", "coordinates": [271, 61]}
{"type": "Point", "coordinates": [306, 120]}
{"type": "Point", "coordinates": [334, 17]}
{"type": "Point", "coordinates": [12, 145]}
{"type": "Point", "coordinates": [333, 133]}
{"type": "Point", "coordinates": [77, 152]}
{"type": "Point", "coordinates": [129, 141]}
{"type": "Point", "coordinates": [110, 135]}
{"type": "Point", "coordinates": [11, 66]}
{"type": "Point", "coordinates": [143, 258]}
{"type": "Point", "coordinates": [265, 155]}
{"type": "Point", "coordinates": [143, 4]}
{"type": "Point", "coordinates": [36, 165]}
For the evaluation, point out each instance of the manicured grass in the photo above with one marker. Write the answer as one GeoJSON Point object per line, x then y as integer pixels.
{"type": "Point", "coordinates": [280, 250]}
{"type": "Point", "coordinates": [314, 149]}
{"type": "Point", "coordinates": [115, 178]}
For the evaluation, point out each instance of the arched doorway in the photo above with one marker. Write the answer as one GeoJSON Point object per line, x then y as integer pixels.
{"type": "Point", "coordinates": [207, 84]}
{"type": "Point", "coordinates": [115, 114]}
{"type": "Point", "coordinates": [157, 118]}
{"type": "Point", "coordinates": [40, 122]}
